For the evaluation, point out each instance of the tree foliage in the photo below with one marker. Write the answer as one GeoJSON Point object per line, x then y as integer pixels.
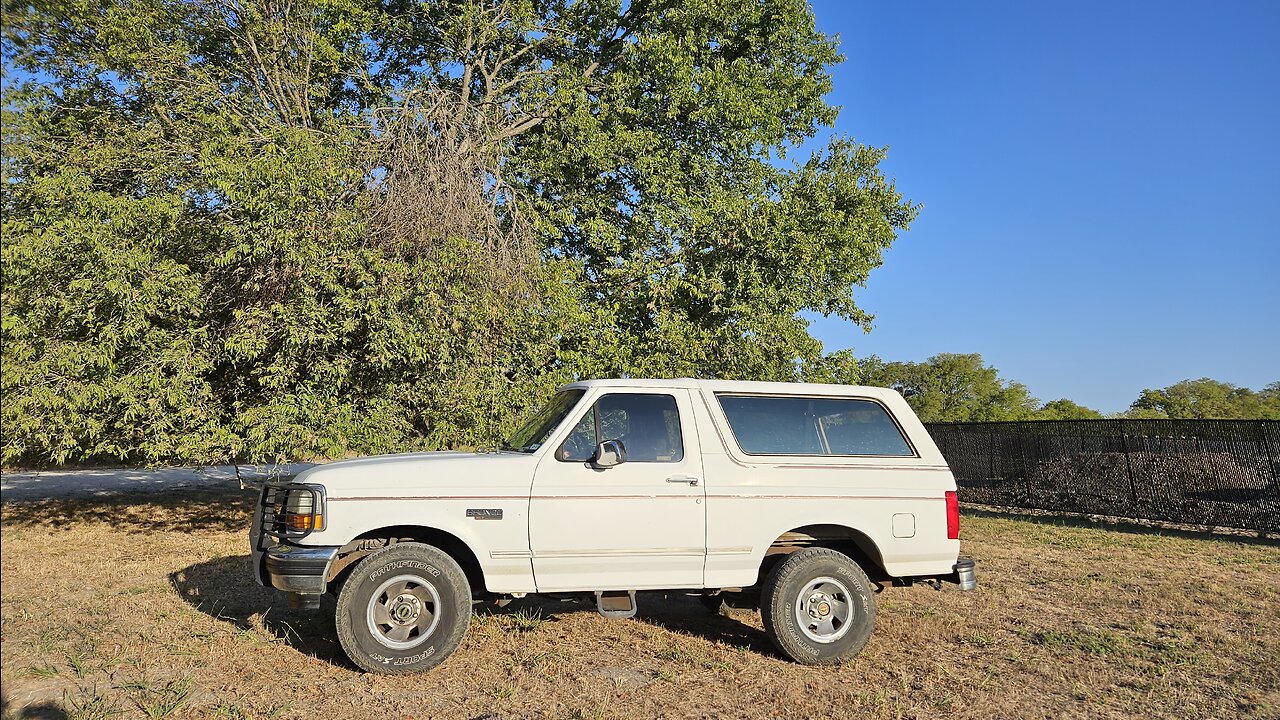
{"type": "Point", "coordinates": [264, 229]}
{"type": "Point", "coordinates": [953, 388]}
{"type": "Point", "coordinates": [962, 388]}
{"type": "Point", "coordinates": [1207, 399]}
{"type": "Point", "coordinates": [1064, 409]}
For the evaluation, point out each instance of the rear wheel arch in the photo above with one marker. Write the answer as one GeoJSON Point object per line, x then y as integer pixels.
{"type": "Point", "coordinates": [855, 543]}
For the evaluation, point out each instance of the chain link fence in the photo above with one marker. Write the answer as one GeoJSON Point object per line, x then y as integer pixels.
{"type": "Point", "coordinates": [1203, 472]}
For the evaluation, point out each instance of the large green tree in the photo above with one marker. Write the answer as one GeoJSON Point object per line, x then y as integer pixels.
{"type": "Point", "coordinates": [264, 229]}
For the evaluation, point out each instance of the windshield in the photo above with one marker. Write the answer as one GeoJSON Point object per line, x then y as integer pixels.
{"type": "Point", "coordinates": [534, 432]}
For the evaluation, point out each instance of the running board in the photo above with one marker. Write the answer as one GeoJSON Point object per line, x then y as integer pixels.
{"type": "Point", "coordinates": [616, 603]}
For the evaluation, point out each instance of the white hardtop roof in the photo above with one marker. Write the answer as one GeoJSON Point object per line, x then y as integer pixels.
{"type": "Point", "coordinates": [743, 386]}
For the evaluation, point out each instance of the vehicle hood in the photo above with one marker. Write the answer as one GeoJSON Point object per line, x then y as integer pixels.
{"type": "Point", "coordinates": [423, 474]}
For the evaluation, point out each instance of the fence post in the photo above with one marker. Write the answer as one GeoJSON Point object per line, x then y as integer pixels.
{"type": "Point", "coordinates": [1026, 471]}
{"type": "Point", "coordinates": [991, 462]}
{"type": "Point", "coordinates": [1128, 464]}
{"type": "Point", "coordinates": [1271, 459]}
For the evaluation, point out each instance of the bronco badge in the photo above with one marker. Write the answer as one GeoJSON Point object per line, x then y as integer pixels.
{"type": "Point", "coordinates": [485, 513]}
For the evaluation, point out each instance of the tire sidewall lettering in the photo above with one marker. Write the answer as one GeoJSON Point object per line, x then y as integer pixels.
{"type": "Point", "coordinates": [855, 584]}
{"type": "Point", "coordinates": [792, 630]}
{"type": "Point", "coordinates": [428, 568]}
{"type": "Point", "coordinates": [406, 660]}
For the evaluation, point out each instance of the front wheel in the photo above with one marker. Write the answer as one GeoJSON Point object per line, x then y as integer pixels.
{"type": "Point", "coordinates": [818, 607]}
{"type": "Point", "coordinates": [403, 609]}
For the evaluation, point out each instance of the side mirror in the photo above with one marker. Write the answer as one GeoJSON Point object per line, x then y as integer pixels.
{"type": "Point", "coordinates": [610, 453]}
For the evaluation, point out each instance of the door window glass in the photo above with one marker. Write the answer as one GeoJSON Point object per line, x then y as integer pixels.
{"type": "Point", "coordinates": [580, 446]}
{"type": "Point", "coordinates": [648, 426]}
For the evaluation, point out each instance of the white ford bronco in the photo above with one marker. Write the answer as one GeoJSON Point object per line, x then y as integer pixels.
{"type": "Point", "coordinates": [812, 494]}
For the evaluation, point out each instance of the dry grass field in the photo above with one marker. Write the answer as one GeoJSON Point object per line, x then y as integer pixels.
{"type": "Point", "coordinates": [145, 607]}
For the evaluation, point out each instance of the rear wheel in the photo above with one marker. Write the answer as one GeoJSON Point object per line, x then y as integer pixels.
{"type": "Point", "coordinates": [818, 607]}
{"type": "Point", "coordinates": [403, 609]}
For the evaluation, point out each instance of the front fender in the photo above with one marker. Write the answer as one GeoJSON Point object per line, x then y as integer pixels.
{"type": "Point", "coordinates": [495, 530]}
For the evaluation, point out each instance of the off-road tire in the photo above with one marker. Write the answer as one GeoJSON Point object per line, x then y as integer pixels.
{"type": "Point", "coordinates": [781, 595]}
{"type": "Point", "coordinates": [431, 574]}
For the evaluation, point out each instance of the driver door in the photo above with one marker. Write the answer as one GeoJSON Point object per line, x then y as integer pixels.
{"type": "Point", "coordinates": [637, 525]}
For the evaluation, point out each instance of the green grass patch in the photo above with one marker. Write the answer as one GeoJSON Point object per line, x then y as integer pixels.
{"type": "Point", "coordinates": [1093, 642]}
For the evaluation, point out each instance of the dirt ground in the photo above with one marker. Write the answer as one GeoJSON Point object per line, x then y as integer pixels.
{"type": "Point", "coordinates": [146, 607]}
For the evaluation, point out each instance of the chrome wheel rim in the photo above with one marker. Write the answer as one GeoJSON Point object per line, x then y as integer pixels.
{"type": "Point", "coordinates": [403, 612]}
{"type": "Point", "coordinates": [823, 609]}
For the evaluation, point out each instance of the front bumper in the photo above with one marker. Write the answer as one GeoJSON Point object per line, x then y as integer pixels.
{"type": "Point", "coordinates": [297, 569]}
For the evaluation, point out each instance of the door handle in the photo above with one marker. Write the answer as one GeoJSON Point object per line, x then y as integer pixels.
{"type": "Point", "coordinates": [693, 481]}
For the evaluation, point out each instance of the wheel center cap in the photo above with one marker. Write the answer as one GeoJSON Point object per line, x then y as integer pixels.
{"type": "Point", "coordinates": [405, 609]}
{"type": "Point", "coordinates": [819, 605]}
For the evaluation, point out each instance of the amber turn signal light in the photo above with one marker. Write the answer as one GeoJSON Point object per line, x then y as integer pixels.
{"type": "Point", "coordinates": [302, 522]}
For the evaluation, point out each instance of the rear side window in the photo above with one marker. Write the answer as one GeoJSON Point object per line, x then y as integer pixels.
{"type": "Point", "coordinates": [812, 426]}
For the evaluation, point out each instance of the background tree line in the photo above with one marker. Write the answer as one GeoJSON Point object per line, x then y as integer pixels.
{"type": "Point", "coordinates": [961, 388]}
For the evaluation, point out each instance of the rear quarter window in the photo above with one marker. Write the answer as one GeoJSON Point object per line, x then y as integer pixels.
{"type": "Point", "coordinates": [773, 425]}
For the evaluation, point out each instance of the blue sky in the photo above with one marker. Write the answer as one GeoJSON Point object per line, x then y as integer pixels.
{"type": "Point", "coordinates": [1100, 181]}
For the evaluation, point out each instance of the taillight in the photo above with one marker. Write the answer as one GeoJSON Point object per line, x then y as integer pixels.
{"type": "Point", "coordinates": [953, 516]}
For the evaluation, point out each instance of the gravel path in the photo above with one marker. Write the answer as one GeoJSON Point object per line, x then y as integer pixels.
{"type": "Point", "coordinates": [28, 486]}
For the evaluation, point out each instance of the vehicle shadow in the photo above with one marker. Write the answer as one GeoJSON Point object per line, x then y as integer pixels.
{"type": "Point", "coordinates": [547, 607]}
{"type": "Point", "coordinates": [677, 611]}
{"type": "Point", "coordinates": [684, 613]}
{"type": "Point", "coordinates": [224, 589]}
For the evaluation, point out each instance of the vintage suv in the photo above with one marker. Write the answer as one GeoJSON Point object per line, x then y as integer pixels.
{"type": "Point", "coordinates": [810, 493]}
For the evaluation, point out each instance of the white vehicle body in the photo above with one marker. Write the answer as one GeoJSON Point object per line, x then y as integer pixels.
{"type": "Point", "coordinates": [533, 522]}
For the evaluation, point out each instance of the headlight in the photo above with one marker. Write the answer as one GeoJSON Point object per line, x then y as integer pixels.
{"type": "Point", "coordinates": [294, 510]}
{"type": "Point", "coordinates": [304, 508]}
